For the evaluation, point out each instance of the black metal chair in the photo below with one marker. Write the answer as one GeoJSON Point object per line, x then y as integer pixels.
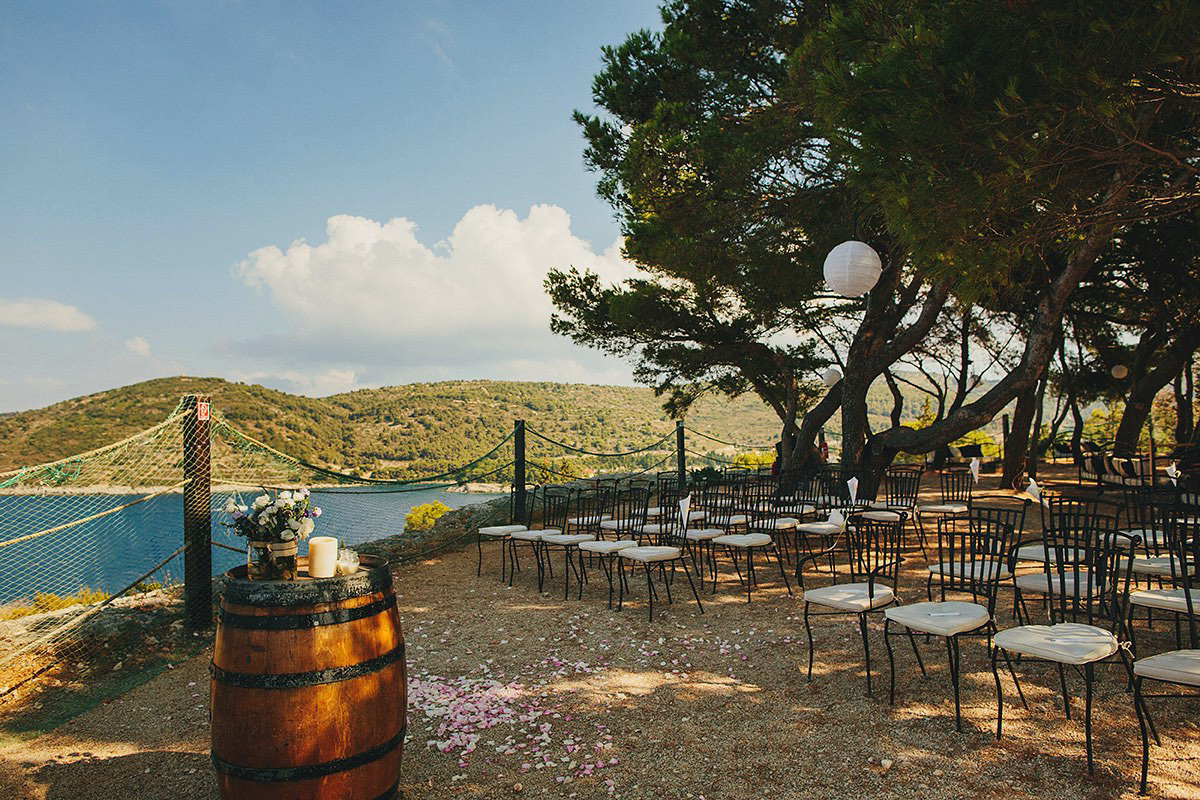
{"type": "Point", "coordinates": [900, 487]}
{"type": "Point", "coordinates": [628, 523]}
{"type": "Point", "coordinates": [518, 516]}
{"type": "Point", "coordinates": [1084, 581]}
{"type": "Point", "coordinates": [587, 512]}
{"type": "Point", "coordinates": [1179, 667]}
{"type": "Point", "coordinates": [957, 486]}
{"type": "Point", "coordinates": [555, 502]}
{"type": "Point", "coordinates": [873, 550]}
{"type": "Point", "coordinates": [669, 548]}
{"type": "Point", "coordinates": [751, 500]}
{"type": "Point", "coordinates": [970, 563]}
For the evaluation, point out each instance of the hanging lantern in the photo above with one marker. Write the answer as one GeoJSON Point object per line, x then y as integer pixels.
{"type": "Point", "coordinates": [852, 269]}
{"type": "Point", "coordinates": [831, 376]}
{"type": "Point", "coordinates": [1119, 371]}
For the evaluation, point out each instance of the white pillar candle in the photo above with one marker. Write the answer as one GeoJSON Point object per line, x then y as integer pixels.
{"type": "Point", "coordinates": [322, 556]}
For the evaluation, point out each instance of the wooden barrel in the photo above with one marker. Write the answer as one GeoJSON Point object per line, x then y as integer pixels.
{"type": "Point", "coordinates": [308, 687]}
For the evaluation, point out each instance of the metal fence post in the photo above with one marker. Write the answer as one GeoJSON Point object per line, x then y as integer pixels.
{"type": "Point", "coordinates": [197, 513]}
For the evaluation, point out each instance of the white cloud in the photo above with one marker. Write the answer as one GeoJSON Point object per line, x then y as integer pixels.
{"type": "Point", "coordinates": [376, 294]}
{"type": "Point", "coordinates": [42, 314]}
{"type": "Point", "coordinates": [138, 346]}
{"type": "Point", "coordinates": [331, 381]}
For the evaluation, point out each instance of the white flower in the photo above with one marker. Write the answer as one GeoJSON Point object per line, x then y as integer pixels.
{"type": "Point", "coordinates": [243, 509]}
{"type": "Point", "coordinates": [285, 495]}
{"type": "Point", "coordinates": [306, 527]}
{"type": "Point", "coordinates": [261, 502]}
{"type": "Point", "coordinates": [294, 524]}
{"type": "Point", "coordinates": [230, 506]}
{"type": "Point", "coordinates": [287, 536]}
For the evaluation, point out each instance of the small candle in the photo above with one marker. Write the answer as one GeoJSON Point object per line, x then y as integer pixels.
{"type": "Point", "coordinates": [322, 556]}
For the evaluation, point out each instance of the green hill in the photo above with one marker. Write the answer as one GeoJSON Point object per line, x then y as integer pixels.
{"type": "Point", "coordinates": [405, 431]}
{"type": "Point", "coordinates": [408, 431]}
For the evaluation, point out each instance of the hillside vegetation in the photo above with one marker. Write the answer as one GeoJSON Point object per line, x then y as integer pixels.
{"type": "Point", "coordinates": [401, 431]}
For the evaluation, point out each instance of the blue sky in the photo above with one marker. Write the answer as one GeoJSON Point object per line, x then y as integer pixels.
{"type": "Point", "coordinates": [313, 196]}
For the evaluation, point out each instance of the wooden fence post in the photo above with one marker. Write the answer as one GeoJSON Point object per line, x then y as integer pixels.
{"type": "Point", "coordinates": [680, 458]}
{"type": "Point", "coordinates": [518, 511]}
{"type": "Point", "coordinates": [197, 513]}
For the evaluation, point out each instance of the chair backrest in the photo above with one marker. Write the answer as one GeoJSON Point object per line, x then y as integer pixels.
{"type": "Point", "coordinates": [518, 515]}
{"type": "Point", "coordinates": [901, 486]}
{"type": "Point", "coordinates": [1182, 529]}
{"type": "Point", "coordinates": [833, 479]}
{"type": "Point", "coordinates": [556, 501]}
{"type": "Point", "coordinates": [875, 550]}
{"type": "Point", "coordinates": [999, 515]}
{"type": "Point", "coordinates": [973, 559]}
{"type": "Point", "coordinates": [587, 509]}
{"type": "Point", "coordinates": [1083, 552]}
{"type": "Point", "coordinates": [671, 527]}
{"type": "Point", "coordinates": [722, 500]}
{"type": "Point", "coordinates": [957, 485]}
{"type": "Point", "coordinates": [1152, 510]}
{"type": "Point", "coordinates": [630, 505]}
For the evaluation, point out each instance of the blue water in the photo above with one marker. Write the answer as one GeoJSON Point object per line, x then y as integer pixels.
{"type": "Point", "coordinates": [109, 553]}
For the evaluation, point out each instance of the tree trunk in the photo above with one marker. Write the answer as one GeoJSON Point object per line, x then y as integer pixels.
{"type": "Point", "coordinates": [1185, 420]}
{"type": "Point", "coordinates": [1146, 385]}
{"type": "Point", "coordinates": [1016, 446]}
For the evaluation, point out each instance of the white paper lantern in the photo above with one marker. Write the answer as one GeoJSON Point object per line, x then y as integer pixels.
{"type": "Point", "coordinates": [1119, 371]}
{"type": "Point", "coordinates": [831, 376]}
{"type": "Point", "coordinates": [852, 269]}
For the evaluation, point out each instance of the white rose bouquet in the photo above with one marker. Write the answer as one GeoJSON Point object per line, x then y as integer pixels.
{"type": "Point", "coordinates": [273, 526]}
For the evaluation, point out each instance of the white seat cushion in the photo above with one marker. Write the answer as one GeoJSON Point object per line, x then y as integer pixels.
{"type": "Point", "coordinates": [820, 528]}
{"type": "Point", "coordinates": [696, 516]}
{"type": "Point", "coordinates": [744, 540]}
{"type": "Point", "coordinates": [1159, 566]}
{"type": "Point", "coordinates": [737, 519]}
{"type": "Point", "coordinates": [565, 539]}
{"type": "Point", "coordinates": [850, 596]}
{"type": "Point", "coordinates": [575, 522]}
{"type": "Point", "coordinates": [500, 530]}
{"type": "Point", "coordinates": [944, 508]}
{"type": "Point", "coordinates": [533, 536]}
{"type": "Point", "coordinates": [1035, 552]}
{"type": "Point", "coordinates": [1166, 599]}
{"type": "Point", "coordinates": [704, 534]}
{"type": "Point", "coordinates": [605, 548]}
{"type": "Point", "coordinates": [982, 570]}
{"type": "Point", "coordinates": [1041, 583]}
{"type": "Point", "coordinates": [617, 524]}
{"type": "Point", "coordinates": [654, 511]}
{"type": "Point", "coordinates": [778, 523]}
{"type": "Point", "coordinates": [881, 516]}
{"type": "Point", "coordinates": [1176, 666]}
{"type": "Point", "coordinates": [649, 554]}
{"type": "Point", "coordinates": [1145, 535]}
{"type": "Point", "coordinates": [940, 619]}
{"type": "Point", "coordinates": [1064, 643]}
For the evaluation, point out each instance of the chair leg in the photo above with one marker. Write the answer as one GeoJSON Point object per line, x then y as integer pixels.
{"type": "Point", "coordinates": [887, 643]}
{"type": "Point", "coordinates": [999, 693]}
{"type": "Point", "coordinates": [749, 572]}
{"type": "Point", "coordinates": [650, 592]}
{"type": "Point", "coordinates": [808, 630]}
{"type": "Point", "coordinates": [1138, 708]}
{"type": "Point", "coordinates": [1062, 679]}
{"type": "Point", "coordinates": [1089, 677]}
{"type": "Point", "coordinates": [912, 640]}
{"type": "Point", "coordinates": [782, 573]}
{"type": "Point", "coordinates": [952, 654]}
{"type": "Point", "coordinates": [862, 627]}
{"type": "Point", "coordinates": [693, 585]}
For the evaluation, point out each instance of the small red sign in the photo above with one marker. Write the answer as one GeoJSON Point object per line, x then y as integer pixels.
{"type": "Point", "coordinates": [202, 411]}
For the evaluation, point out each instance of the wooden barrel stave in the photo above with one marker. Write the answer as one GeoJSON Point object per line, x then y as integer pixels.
{"type": "Point", "coordinates": [309, 690]}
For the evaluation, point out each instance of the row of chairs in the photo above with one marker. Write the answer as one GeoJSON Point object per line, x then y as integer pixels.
{"type": "Point", "coordinates": [1084, 585]}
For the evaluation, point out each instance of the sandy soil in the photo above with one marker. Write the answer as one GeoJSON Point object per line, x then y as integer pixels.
{"type": "Point", "coordinates": [544, 697]}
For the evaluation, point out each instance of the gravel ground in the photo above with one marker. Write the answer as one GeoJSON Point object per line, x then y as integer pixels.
{"type": "Point", "coordinates": [516, 694]}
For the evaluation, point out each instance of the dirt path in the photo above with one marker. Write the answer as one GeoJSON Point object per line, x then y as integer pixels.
{"type": "Point", "coordinates": [545, 697]}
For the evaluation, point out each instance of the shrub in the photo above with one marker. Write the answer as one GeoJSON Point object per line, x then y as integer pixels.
{"type": "Point", "coordinates": [421, 518]}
